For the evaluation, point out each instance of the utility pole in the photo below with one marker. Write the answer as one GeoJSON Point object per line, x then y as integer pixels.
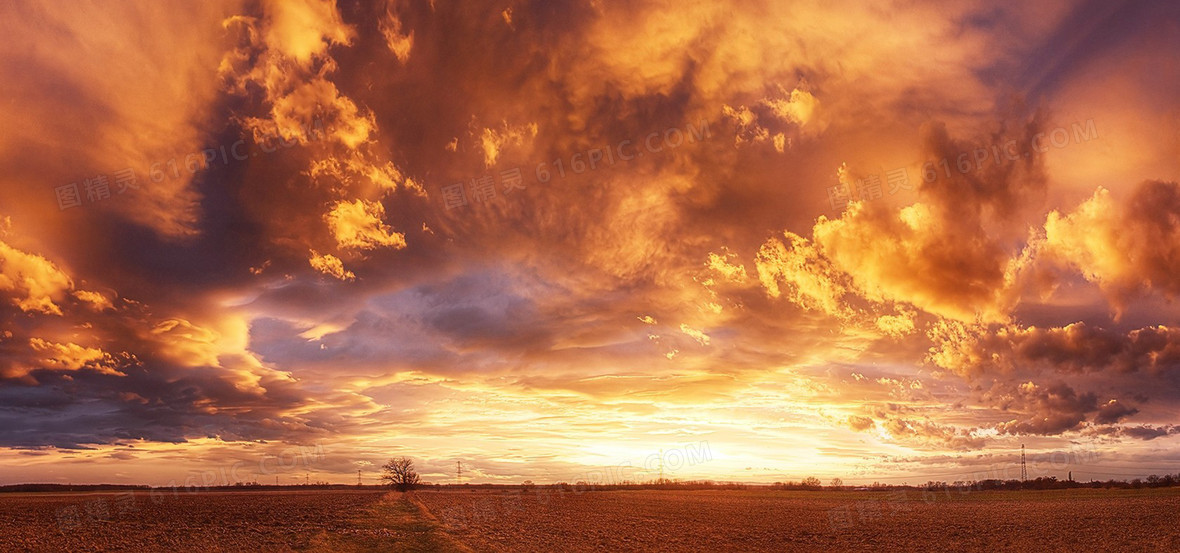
{"type": "Point", "coordinates": [1023, 467]}
{"type": "Point", "coordinates": [358, 478]}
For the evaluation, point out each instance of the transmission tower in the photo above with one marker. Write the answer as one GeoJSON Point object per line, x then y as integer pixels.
{"type": "Point", "coordinates": [1023, 467]}
{"type": "Point", "coordinates": [459, 472]}
{"type": "Point", "coordinates": [358, 478]}
{"type": "Point", "coordinates": [661, 480]}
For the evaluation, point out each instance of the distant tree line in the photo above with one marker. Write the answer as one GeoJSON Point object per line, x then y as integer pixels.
{"type": "Point", "coordinates": [400, 474]}
{"type": "Point", "coordinates": [582, 485]}
{"type": "Point", "coordinates": [1052, 483]}
{"type": "Point", "coordinates": [815, 484]}
{"type": "Point", "coordinates": [29, 488]}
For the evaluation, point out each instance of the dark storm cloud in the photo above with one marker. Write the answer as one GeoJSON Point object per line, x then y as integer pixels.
{"type": "Point", "coordinates": [1075, 348]}
{"type": "Point", "coordinates": [1113, 374]}
{"type": "Point", "coordinates": [129, 382]}
{"type": "Point", "coordinates": [1051, 409]}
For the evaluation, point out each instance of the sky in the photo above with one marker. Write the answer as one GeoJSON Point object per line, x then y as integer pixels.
{"type": "Point", "coordinates": [752, 241]}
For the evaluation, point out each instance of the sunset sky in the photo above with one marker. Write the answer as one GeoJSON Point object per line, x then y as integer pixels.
{"type": "Point", "coordinates": [555, 240]}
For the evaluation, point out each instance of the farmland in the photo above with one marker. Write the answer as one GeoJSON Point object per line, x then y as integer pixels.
{"type": "Point", "coordinates": [764, 520]}
{"type": "Point", "coordinates": [214, 521]}
{"type": "Point", "coordinates": [633, 520]}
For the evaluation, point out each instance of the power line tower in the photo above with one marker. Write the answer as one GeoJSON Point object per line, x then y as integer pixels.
{"type": "Point", "coordinates": [661, 480]}
{"type": "Point", "coordinates": [459, 472]}
{"type": "Point", "coordinates": [1023, 467]}
{"type": "Point", "coordinates": [358, 478]}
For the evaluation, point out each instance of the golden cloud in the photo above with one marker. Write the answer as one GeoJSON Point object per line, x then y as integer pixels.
{"type": "Point", "coordinates": [72, 357]}
{"type": "Point", "coordinates": [32, 282]}
{"type": "Point", "coordinates": [359, 225]}
{"type": "Point", "coordinates": [304, 29]}
{"type": "Point", "coordinates": [1126, 250]}
{"type": "Point", "coordinates": [797, 265]}
{"type": "Point", "coordinates": [330, 265]}
{"type": "Point", "coordinates": [400, 44]}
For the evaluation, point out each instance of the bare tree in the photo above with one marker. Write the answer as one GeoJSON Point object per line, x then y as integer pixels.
{"type": "Point", "coordinates": [837, 483]}
{"type": "Point", "coordinates": [399, 472]}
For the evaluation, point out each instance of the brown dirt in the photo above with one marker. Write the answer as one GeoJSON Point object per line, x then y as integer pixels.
{"type": "Point", "coordinates": [206, 521]}
{"type": "Point", "coordinates": [1066, 520]}
{"type": "Point", "coordinates": [457, 521]}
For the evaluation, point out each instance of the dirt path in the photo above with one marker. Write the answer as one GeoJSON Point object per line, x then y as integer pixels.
{"type": "Point", "coordinates": [398, 522]}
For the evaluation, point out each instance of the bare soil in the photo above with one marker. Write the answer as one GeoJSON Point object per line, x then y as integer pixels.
{"type": "Point", "coordinates": [568, 522]}
{"type": "Point", "coordinates": [1061, 520]}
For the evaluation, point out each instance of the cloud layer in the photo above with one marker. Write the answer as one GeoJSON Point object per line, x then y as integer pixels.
{"type": "Point", "coordinates": [546, 236]}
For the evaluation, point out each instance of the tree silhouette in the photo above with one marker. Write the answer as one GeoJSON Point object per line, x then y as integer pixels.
{"type": "Point", "coordinates": [399, 472]}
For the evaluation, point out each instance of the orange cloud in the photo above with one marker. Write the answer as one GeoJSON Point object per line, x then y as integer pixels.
{"type": "Point", "coordinates": [359, 225]}
{"type": "Point", "coordinates": [72, 357]}
{"type": "Point", "coordinates": [330, 265]}
{"type": "Point", "coordinates": [118, 104]}
{"type": "Point", "coordinates": [304, 29]}
{"type": "Point", "coordinates": [809, 278]}
{"type": "Point", "coordinates": [915, 256]}
{"type": "Point", "coordinates": [32, 282]}
{"type": "Point", "coordinates": [400, 44]}
{"type": "Point", "coordinates": [1127, 250]}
